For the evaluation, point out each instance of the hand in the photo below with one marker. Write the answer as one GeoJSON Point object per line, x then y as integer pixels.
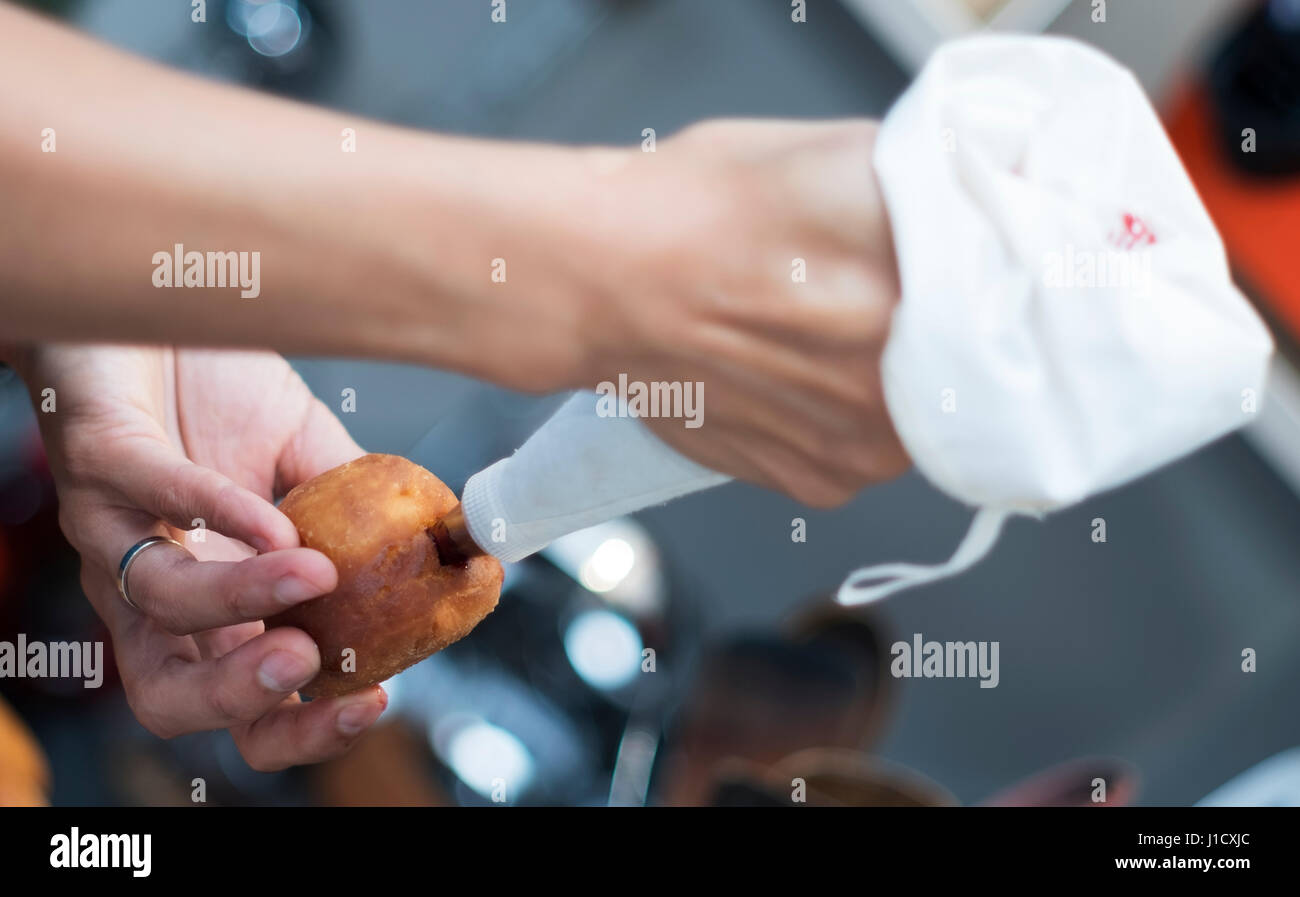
{"type": "Point", "coordinates": [692, 257]}
{"type": "Point", "coordinates": [148, 441]}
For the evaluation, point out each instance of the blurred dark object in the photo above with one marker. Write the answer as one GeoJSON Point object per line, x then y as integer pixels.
{"type": "Point", "coordinates": [839, 777]}
{"type": "Point", "coordinates": [551, 703]}
{"type": "Point", "coordinates": [760, 698]}
{"type": "Point", "coordinates": [284, 46]}
{"type": "Point", "coordinates": [1252, 87]}
{"type": "Point", "coordinates": [143, 775]}
{"type": "Point", "coordinates": [858, 636]}
{"type": "Point", "coordinates": [1255, 85]}
{"type": "Point", "coordinates": [40, 591]}
{"type": "Point", "coordinates": [827, 777]}
{"type": "Point", "coordinates": [55, 7]}
{"type": "Point", "coordinates": [388, 767]}
{"type": "Point", "coordinates": [560, 695]}
{"type": "Point", "coordinates": [1073, 784]}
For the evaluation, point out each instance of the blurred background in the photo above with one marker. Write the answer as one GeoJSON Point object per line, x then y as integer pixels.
{"type": "Point", "coordinates": [1120, 659]}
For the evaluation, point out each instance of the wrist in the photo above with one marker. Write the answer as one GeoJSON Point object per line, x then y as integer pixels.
{"type": "Point", "coordinates": [496, 239]}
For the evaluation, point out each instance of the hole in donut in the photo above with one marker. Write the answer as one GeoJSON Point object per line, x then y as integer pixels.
{"type": "Point", "coordinates": [448, 555]}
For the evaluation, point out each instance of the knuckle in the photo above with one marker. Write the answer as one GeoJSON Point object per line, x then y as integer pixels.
{"type": "Point", "coordinates": [68, 522]}
{"type": "Point", "coordinates": [868, 398]}
{"type": "Point", "coordinates": [868, 459]}
{"type": "Point", "coordinates": [227, 706]}
{"type": "Point", "coordinates": [146, 697]}
{"type": "Point", "coordinates": [161, 611]}
{"type": "Point", "coordinates": [169, 498]}
{"type": "Point", "coordinates": [166, 616]}
{"type": "Point", "coordinates": [81, 459]}
{"type": "Point", "coordinates": [156, 600]}
{"type": "Point", "coordinates": [805, 483]}
{"type": "Point", "coordinates": [818, 492]}
{"type": "Point", "coordinates": [171, 624]}
{"type": "Point", "coordinates": [895, 464]}
{"type": "Point", "coordinates": [892, 458]}
{"type": "Point", "coordinates": [867, 463]}
{"type": "Point", "coordinates": [234, 601]}
{"type": "Point", "coordinates": [255, 753]}
{"type": "Point", "coordinates": [154, 721]}
{"type": "Point", "coordinates": [829, 498]}
{"type": "Point", "coordinates": [259, 763]}
{"type": "Point", "coordinates": [859, 392]}
{"type": "Point", "coordinates": [863, 464]}
{"type": "Point", "coordinates": [226, 496]}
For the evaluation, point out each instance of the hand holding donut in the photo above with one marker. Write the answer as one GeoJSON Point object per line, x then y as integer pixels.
{"type": "Point", "coordinates": [143, 443]}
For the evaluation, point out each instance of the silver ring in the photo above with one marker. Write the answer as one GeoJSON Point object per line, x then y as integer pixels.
{"type": "Point", "coordinates": [134, 552]}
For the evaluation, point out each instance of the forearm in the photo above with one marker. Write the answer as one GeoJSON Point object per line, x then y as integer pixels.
{"type": "Point", "coordinates": [384, 252]}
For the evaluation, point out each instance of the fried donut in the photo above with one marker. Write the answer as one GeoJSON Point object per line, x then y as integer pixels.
{"type": "Point", "coordinates": [396, 603]}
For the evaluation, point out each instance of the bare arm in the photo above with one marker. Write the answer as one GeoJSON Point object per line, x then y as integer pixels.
{"type": "Point", "coordinates": [386, 251]}
{"type": "Point", "coordinates": [670, 266]}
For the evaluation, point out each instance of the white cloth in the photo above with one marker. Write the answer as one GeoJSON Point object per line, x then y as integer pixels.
{"type": "Point", "coordinates": [577, 470]}
{"type": "Point", "coordinates": [1068, 322]}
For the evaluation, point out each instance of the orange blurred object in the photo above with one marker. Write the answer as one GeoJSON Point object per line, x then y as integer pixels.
{"type": "Point", "coordinates": [24, 775]}
{"type": "Point", "coordinates": [1259, 217]}
{"type": "Point", "coordinates": [389, 767]}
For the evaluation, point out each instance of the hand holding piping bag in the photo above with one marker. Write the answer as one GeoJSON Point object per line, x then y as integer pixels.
{"type": "Point", "coordinates": [1068, 320]}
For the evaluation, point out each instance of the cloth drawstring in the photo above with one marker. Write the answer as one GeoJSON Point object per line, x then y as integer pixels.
{"type": "Point", "coordinates": [868, 584]}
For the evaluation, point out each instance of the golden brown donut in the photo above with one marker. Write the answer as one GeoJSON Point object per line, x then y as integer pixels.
{"type": "Point", "coordinates": [395, 603]}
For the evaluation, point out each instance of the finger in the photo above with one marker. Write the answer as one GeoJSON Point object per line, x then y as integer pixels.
{"type": "Point", "coordinates": [216, 643]}
{"type": "Point", "coordinates": [785, 469]}
{"type": "Point", "coordinates": [190, 695]}
{"type": "Point", "coordinates": [827, 384]}
{"type": "Point", "coordinates": [139, 645]}
{"type": "Point", "coordinates": [184, 595]}
{"type": "Point", "coordinates": [749, 419]}
{"type": "Point", "coordinates": [322, 442]}
{"type": "Point", "coordinates": [158, 480]}
{"type": "Point", "coordinates": [311, 732]}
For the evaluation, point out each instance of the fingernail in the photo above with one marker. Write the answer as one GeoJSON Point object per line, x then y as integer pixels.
{"type": "Point", "coordinates": [354, 720]}
{"type": "Point", "coordinates": [291, 590]}
{"type": "Point", "coordinates": [283, 671]}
